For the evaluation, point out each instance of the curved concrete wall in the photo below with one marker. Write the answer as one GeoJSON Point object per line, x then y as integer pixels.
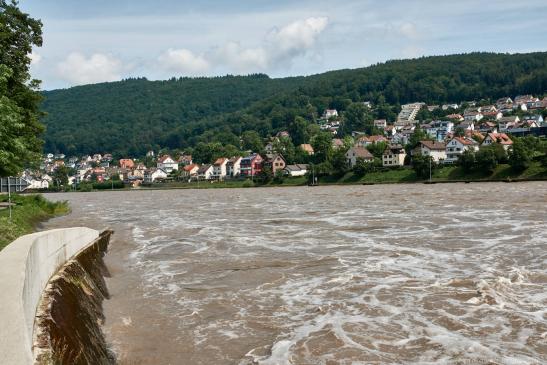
{"type": "Point", "coordinates": [26, 265]}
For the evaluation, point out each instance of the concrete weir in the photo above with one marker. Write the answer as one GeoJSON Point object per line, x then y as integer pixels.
{"type": "Point", "coordinates": [52, 287]}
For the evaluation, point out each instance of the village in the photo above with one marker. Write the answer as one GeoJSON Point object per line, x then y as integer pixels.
{"type": "Point", "coordinates": [465, 127]}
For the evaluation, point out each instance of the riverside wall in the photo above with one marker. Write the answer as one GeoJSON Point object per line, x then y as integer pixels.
{"type": "Point", "coordinates": [33, 263]}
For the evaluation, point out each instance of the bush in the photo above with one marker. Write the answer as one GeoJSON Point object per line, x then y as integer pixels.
{"type": "Point", "coordinates": [422, 165]}
{"type": "Point", "coordinates": [467, 160]}
{"type": "Point", "coordinates": [519, 156]}
{"type": "Point", "coordinates": [486, 159]}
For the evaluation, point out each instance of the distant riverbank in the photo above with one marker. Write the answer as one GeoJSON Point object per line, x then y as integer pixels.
{"type": "Point", "coordinates": [403, 175]}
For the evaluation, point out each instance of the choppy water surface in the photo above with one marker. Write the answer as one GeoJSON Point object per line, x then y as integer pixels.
{"type": "Point", "coordinates": [396, 274]}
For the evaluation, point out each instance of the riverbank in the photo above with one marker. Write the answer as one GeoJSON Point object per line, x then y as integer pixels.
{"type": "Point", "coordinates": [446, 174]}
{"type": "Point", "coordinates": [27, 212]}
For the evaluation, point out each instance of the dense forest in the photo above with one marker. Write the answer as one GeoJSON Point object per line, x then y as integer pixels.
{"type": "Point", "coordinates": [132, 116]}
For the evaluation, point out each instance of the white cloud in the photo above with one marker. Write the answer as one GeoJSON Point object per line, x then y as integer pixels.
{"type": "Point", "coordinates": [280, 47]}
{"type": "Point", "coordinates": [183, 61]}
{"type": "Point", "coordinates": [78, 69]}
{"type": "Point", "coordinates": [35, 58]}
{"type": "Point", "coordinates": [240, 59]}
{"type": "Point", "coordinates": [409, 30]}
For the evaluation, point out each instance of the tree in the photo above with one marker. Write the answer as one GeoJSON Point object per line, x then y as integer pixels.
{"type": "Point", "coordinates": [322, 146]}
{"type": "Point", "coordinates": [418, 135]}
{"type": "Point", "coordinates": [486, 159]}
{"type": "Point", "coordinates": [362, 167]}
{"type": "Point", "coordinates": [519, 156]}
{"type": "Point", "coordinates": [60, 176]}
{"type": "Point", "coordinates": [298, 129]}
{"type": "Point", "coordinates": [252, 141]}
{"type": "Point", "coordinates": [467, 160]}
{"type": "Point", "coordinates": [265, 175]}
{"type": "Point", "coordinates": [20, 129]}
{"type": "Point", "coordinates": [357, 118]}
{"type": "Point", "coordinates": [422, 165]}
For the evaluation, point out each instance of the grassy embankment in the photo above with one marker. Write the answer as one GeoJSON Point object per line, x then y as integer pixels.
{"type": "Point", "coordinates": [27, 212]}
{"type": "Point", "coordinates": [402, 175]}
{"type": "Point", "coordinates": [444, 174]}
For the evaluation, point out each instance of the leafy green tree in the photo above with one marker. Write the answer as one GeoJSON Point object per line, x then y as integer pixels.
{"type": "Point", "coordinates": [357, 118]}
{"type": "Point", "coordinates": [298, 129]}
{"type": "Point", "coordinates": [418, 135]}
{"type": "Point", "coordinates": [279, 177]}
{"type": "Point", "coordinates": [467, 160]}
{"type": "Point", "coordinates": [499, 152]}
{"type": "Point", "coordinates": [362, 167]}
{"type": "Point", "coordinates": [338, 161]}
{"type": "Point", "coordinates": [60, 176]}
{"type": "Point", "coordinates": [20, 129]}
{"type": "Point", "coordinates": [377, 148]}
{"type": "Point", "coordinates": [322, 146]}
{"type": "Point", "coordinates": [486, 159]}
{"type": "Point", "coordinates": [252, 141]}
{"type": "Point", "coordinates": [265, 175]}
{"type": "Point", "coordinates": [519, 156]}
{"type": "Point", "coordinates": [422, 164]}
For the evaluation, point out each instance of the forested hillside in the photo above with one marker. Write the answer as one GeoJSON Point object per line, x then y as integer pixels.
{"type": "Point", "coordinates": [132, 116]}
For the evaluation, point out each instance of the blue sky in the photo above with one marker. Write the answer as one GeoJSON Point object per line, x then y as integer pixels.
{"type": "Point", "coordinates": [96, 41]}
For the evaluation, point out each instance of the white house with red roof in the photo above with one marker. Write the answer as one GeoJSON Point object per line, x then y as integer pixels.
{"type": "Point", "coordinates": [219, 168]}
{"type": "Point", "coordinates": [435, 149]}
{"type": "Point", "coordinates": [167, 164]}
{"type": "Point", "coordinates": [457, 145]}
{"type": "Point", "coordinates": [501, 138]}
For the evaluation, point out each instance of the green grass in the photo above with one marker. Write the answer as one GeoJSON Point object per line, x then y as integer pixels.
{"type": "Point", "coordinates": [28, 211]}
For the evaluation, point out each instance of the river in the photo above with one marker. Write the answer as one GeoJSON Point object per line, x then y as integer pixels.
{"type": "Point", "coordinates": [383, 274]}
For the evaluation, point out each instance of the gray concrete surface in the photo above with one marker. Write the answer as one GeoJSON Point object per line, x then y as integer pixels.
{"type": "Point", "coordinates": [26, 265]}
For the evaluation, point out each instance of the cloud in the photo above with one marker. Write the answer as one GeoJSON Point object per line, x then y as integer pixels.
{"type": "Point", "coordinates": [408, 30]}
{"type": "Point", "coordinates": [183, 61]}
{"type": "Point", "coordinates": [241, 59]}
{"type": "Point", "coordinates": [280, 47]}
{"type": "Point", "coordinates": [77, 69]}
{"type": "Point", "coordinates": [35, 58]}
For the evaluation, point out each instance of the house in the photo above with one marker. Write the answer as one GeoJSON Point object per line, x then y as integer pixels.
{"type": "Point", "coordinates": [150, 154]}
{"type": "Point", "coordinates": [449, 106]}
{"type": "Point", "coordinates": [330, 113]}
{"type": "Point", "coordinates": [409, 111]}
{"type": "Point", "coordinates": [283, 134]}
{"type": "Point", "coordinates": [537, 119]}
{"type": "Point", "coordinates": [219, 168]}
{"type": "Point", "coordinates": [127, 163]}
{"type": "Point", "coordinates": [456, 146]}
{"type": "Point", "coordinates": [472, 115]}
{"type": "Point", "coordinates": [233, 167]}
{"type": "Point", "coordinates": [251, 165]}
{"type": "Point", "coordinates": [296, 170]}
{"type": "Point", "coordinates": [185, 160]}
{"type": "Point", "coordinates": [154, 175]}
{"type": "Point", "coordinates": [306, 147]}
{"type": "Point", "coordinates": [337, 143]}
{"type": "Point", "coordinates": [487, 126]}
{"type": "Point", "coordinates": [365, 141]}
{"type": "Point", "coordinates": [380, 123]}
{"type": "Point", "coordinates": [438, 129]}
{"type": "Point", "coordinates": [358, 152]}
{"type": "Point", "coordinates": [435, 149]}
{"type": "Point", "coordinates": [394, 155]}
{"type": "Point", "coordinates": [500, 138]}
{"type": "Point", "coordinates": [467, 125]}
{"type": "Point", "coordinates": [275, 163]}
{"type": "Point", "coordinates": [190, 170]}
{"type": "Point", "coordinates": [167, 164]}
{"type": "Point", "coordinates": [505, 123]}
{"type": "Point", "coordinates": [455, 117]}
{"type": "Point", "coordinates": [269, 148]}
{"type": "Point", "coordinates": [205, 172]}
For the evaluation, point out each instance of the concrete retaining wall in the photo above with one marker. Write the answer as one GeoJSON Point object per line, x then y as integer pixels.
{"type": "Point", "coordinates": [26, 265]}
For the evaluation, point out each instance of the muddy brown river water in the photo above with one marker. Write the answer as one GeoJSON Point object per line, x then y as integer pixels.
{"type": "Point", "coordinates": [392, 274]}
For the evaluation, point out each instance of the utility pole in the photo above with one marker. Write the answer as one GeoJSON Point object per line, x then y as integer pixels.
{"type": "Point", "coordinates": [9, 197]}
{"type": "Point", "coordinates": [430, 158]}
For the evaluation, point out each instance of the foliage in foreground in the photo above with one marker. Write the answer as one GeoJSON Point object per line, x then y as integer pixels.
{"type": "Point", "coordinates": [28, 211]}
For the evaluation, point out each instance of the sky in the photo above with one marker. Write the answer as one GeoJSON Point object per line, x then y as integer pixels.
{"type": "Point", "coordinates": [96, 41]}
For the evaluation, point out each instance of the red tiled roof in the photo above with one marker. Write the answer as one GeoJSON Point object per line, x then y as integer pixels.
{"type": "Point", "coordinates": [500, 138]}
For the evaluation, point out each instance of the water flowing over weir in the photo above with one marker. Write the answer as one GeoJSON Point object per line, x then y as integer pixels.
{"type": "Point", "coordinates": [393, 274]}
{"type": "Point", "coordinates": [67, 327]}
